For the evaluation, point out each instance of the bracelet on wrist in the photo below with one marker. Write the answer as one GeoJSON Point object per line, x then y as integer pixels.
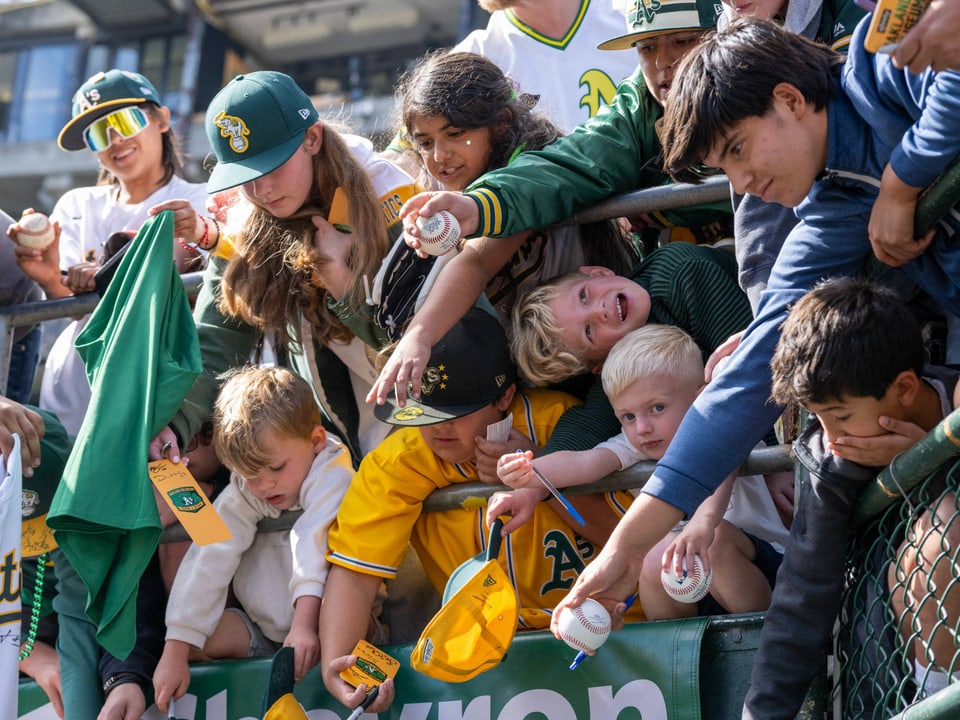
{"type": "Point", "coordinates": [121, 678]}
{"type": "Point", "coordinates": [202, 244]}
{"type": "Point", "coordinates": [216, 238]}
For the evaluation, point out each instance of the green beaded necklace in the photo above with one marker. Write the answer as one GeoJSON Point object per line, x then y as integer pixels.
{"type": "Point", "coordinates": [27, 647]}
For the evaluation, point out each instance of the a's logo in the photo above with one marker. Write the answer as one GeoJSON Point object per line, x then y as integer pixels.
{"type": "Point", "coordinates": [644, 11]}
{"type": "Point", "coordinates": [434, 378]}
{"type": "Point", "coordinates": [28, 502]}
{"type": "Point", "coordinates": [600, 90]}
{"type": "Point", "coordinates": [234, 129]}
{"type": "Point", "coordinates": [86, 100]}
{"type": "Point", "coordinates": [186, 499]}
{"type": "Point", "coordinates": [408, 413]}
{"type": "Point", "coordinates": [304, 113]}
{"type": "Point", "coordinates": [500, 380]}
{"type": "Point", "coordinates": [489, 581]}
{"type": "Point", "coordinates": [566, 560]}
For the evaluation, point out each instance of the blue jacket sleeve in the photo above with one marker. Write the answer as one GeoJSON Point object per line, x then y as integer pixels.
{"type": "Point", "coordinates": [734, 411]}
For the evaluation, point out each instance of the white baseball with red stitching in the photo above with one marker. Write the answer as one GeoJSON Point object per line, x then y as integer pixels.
{"type": "Point", "coordinates": [36, 231]}
{"type": "Point", "coordinates": [692, 586]}
{"type": "Point", "coordinates": [439, 234]}
{"type": "Point", "coordinates": [586, 627]}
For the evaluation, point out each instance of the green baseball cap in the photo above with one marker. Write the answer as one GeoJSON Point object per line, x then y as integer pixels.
{"type": "Point", "coordinates": [100, 95]}
{"type": "Point", "coordinates": [254, 124]}
{"type": "Point", "coordinates": [660, 17]}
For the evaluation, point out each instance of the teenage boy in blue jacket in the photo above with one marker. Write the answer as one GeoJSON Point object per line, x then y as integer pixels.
{"type": "Point", "coordinates": [850, 146]}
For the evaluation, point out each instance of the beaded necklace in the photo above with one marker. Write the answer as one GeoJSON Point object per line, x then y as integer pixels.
{"type": "Point", "coordinates": [27, 647]}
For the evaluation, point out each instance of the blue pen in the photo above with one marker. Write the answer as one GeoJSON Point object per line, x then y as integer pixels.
{"type": "Point", "coordinates": [556, 493]}
{"type": "Point", "coordinates": [581, 655]}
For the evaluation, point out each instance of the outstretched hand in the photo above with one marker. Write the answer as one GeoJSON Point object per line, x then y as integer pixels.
{"type": "Point", "coordinates": [430, 203]}
{"type": "Point", "coordinates": [518, 504]}
{"type": "Point", "coordinates": [404, 367]}
{"type": "Point", "coordinates": [516, 470]}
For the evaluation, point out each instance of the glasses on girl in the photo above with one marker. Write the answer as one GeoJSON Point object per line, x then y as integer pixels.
{"type": "Point", "coordinates": [126, 122]}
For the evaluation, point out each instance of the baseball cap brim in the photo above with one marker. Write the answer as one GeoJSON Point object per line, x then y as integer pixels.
{"type": "Point", "coordinates": [416, 414]}
{"type": "Point", "coordinates": [71, 137]}
{"type": "Point", "coordinates": [627, 41]}
{"type": "Point", "coordinates": [227, 175]}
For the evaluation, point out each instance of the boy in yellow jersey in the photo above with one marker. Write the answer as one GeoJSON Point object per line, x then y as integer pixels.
{"type": "Point", "coordinates": [469, 384]}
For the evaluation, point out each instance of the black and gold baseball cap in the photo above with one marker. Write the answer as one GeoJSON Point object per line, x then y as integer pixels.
{"type": "Point", "coordinates": [468, 369]}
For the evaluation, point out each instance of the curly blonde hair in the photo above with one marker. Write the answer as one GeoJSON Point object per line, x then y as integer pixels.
{"type": "Point", "coordinates": [540, 354]}
{"type": "Point", "coordinates": [272, 280]}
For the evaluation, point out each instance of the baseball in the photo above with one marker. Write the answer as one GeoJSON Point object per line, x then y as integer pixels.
{"type": "Point", "coordinates": [439, 234]}
{"type": "Point", "coordinates": [690, 587]}
{"type": "Point", "coordinates": [586, 627]}
{"type": "Point", "coordinates": [36, 231]}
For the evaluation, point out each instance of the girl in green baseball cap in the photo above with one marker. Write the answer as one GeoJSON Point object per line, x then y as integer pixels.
{"type": "Point", "coordinates": [308, 213]}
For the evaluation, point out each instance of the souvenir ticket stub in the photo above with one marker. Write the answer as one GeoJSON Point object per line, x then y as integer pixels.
{"type": "Point", "coordinates": [188, 502]}
{"type": "Point", "coordinates": [372, 668]}
{"type": "Point", "coordinates": [891, 21]}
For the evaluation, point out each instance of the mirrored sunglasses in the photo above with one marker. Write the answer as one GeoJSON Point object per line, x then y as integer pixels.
{"type": "Point", "coordinates": [126, 122]}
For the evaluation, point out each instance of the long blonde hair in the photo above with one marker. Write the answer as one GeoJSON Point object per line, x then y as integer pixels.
{"type": "Point", "coordinates": [273, 277]}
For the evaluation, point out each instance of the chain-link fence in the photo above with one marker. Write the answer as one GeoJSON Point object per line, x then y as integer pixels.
{"type": "Point", "coordinates": [897, 640]}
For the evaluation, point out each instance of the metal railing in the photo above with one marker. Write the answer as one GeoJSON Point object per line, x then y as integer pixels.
{"type": "Point", "coordinates": [27, 314]}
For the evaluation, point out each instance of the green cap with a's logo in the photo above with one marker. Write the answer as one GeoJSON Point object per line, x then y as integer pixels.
{"type": "Point", "coordinates": [100, 95]}
{"type": "Point", "coordinates": [660, 17]}
{"type": "Point", "coordinates": [254, 124]}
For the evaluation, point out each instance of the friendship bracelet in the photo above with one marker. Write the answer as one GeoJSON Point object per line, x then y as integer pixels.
{"type": "Point", "coordinates": [187, 246]}
{"type": "Point", "coordinates": [192, 247]}
{"type": "Point", "coordinates": [201, 244]}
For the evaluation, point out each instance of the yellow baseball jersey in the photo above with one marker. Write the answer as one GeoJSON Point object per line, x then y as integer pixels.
{"type": "Point", "coordinates": [381, 513]}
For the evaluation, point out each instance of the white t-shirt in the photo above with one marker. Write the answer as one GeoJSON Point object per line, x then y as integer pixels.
{"type": "Point", "coordinates": [573, 79]}
{"type": "Point", "coordinates": [87, 217]}
{"type": "Point", "coordinates": [751, 507]}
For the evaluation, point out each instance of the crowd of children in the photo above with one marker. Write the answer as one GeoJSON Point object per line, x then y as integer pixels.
{"type": "Point", "coordinates": [347, 376]}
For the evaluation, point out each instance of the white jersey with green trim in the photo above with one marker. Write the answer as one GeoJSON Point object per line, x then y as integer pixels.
{"type": "Point", "coordinates": [573, 79]}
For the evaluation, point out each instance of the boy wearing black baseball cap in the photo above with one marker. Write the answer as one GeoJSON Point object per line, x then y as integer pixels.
{"type": "Point", "coordinates": [468, 387]}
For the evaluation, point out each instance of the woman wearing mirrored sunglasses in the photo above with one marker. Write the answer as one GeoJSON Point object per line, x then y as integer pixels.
{"type": "Point", "coordinates": [119, 117]}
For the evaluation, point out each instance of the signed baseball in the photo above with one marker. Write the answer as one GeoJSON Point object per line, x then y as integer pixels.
{"type": "Point", "coordinates": [586, 627]}
{"type": "Point", "coordinates": [36, 231]}
{"type": "Point", "coordinates": [439, 234]}
{"type": "Point", "coordinates": [690, 587]}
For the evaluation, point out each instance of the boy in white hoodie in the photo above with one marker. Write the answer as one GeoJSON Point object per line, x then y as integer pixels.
{"type": "Point", "coordinates": [268, 431]}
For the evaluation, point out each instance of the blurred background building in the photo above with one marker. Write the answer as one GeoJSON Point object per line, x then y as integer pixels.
{"type": "Point", "coordinates": [347, 53]}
